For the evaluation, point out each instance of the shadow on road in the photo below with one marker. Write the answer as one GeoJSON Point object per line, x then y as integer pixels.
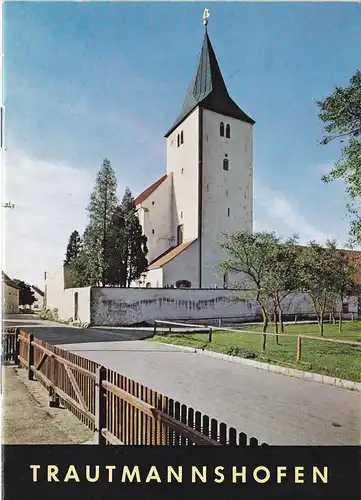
{"type": "Point", "coordinates": [58, 334]}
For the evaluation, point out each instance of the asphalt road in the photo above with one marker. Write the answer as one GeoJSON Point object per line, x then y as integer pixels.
{"type": "Point", "coordinates": [273, 408]}
{"type": "Point", "coordinates": [56, 333]}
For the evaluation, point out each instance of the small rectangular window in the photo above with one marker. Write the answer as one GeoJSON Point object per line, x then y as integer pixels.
{"type": "Point", "coordinates": [153, 231]}
{"type": "Point", "coordinates": [225, 164]}
{"type": "Point", "coordinates": [229, 212]}
{"type": "Point", "coordinates": [152, 202]}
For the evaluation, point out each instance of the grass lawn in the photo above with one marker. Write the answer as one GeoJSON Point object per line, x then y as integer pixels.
{"type": "Point", "coordinates": [337, 360]}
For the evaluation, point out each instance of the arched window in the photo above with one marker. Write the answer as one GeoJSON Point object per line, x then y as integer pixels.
{"type": "Point", "coordinates": [225, 164]}
{"type": "Point", "coordinates": [178, 141]}
{"type": "Point", "coordinates": [180, 234]}
{"type": "Point", "coordinates": [228, 131]}
{"type": "Point", "coordinates": [181, 139]}
{"type": "Point", "coordinates": [221, 129]}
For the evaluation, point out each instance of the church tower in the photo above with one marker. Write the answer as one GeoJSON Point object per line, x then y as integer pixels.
{"type": "Point", "coordinates": [210, 157]}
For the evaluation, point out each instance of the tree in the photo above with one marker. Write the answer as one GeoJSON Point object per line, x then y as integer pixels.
{"type": "Point", "coordinates": [137, 251]}
{"type": "Point", "coordinates": [128, 245]}
{"type": "Point", "coordinates": [344, 282]}
{"type": "Point", "coordinates": [81, 270]}
{"type": "Point", "coordinates": [341, 113]}
{"type": "Point", "coordinates": [251, 256]}
{"type": "Point", "coordinates": [117, 273]}
{"type": "Point", "coordinates": [134, 242]}
{"type": "Point", "coordinates": [283, 277]}
{"type": "Point", "coordinates": [73, 248]}
{"type": "Point", "coordinates": [325, 275]}
{"type": "Point", "coordinates": [102, 206]}
{"type": "Point", "coordinates": [26, 294]}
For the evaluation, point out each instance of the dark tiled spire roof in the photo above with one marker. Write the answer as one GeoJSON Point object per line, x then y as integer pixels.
{"type": "Point", "coordinates": [208, 89]}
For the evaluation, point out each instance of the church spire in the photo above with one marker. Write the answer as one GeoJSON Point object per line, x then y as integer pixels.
{"type": "Point", "coordinates": [207, 88]}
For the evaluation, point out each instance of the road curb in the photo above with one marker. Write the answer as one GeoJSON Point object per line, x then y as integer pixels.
{"type": "Point", "coordinates": [290, 372]}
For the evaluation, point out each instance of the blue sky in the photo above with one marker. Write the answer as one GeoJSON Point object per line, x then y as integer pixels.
{"type": "Point", "coordinates": [84, 81]}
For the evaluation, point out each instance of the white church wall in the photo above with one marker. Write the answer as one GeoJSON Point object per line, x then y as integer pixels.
{"type": "Point", "coordinates": [183, 267]}
{"type": "Point", "coordinates": [224, 190]}
{"type": "Point", "coordinates": [63, 299]}
{"type": "Point", "coordinates": [183, 162]}
{"type": "Point", "coordinates": [116, 306]}
{"type": "Point", "coordinates": [156, 219]}
{"type": "Point", "coordinates": [155, 278]}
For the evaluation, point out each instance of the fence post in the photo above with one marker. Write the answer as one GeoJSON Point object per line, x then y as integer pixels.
{"type": "Point", "coordinates": [100, 405]}
{"type": "Point", "coordinates": [295, 318]}
{"type": "Point", "coordinates": [17, 346]}
{"type": "Point", "coordinates": [54, 401]}
{"type": "Point", "coordinates": [352, 317]}
{"type": "Point", "coordinates": [155, 328]}
{"type": "Point", "coordinates": [299, 341]}
{"type": "Point", "coordinates": [210, 335]}
{"type": "Point", "coordinates": [219, 322]}
{"type": "Point", "coordinates": [30, 356]}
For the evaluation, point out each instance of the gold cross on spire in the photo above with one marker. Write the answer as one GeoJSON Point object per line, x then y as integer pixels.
{"type": "Point", "coordinates": [206, 15]}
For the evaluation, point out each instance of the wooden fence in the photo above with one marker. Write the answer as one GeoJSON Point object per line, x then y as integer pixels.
{"type": "Point", "coordinates": [322, 339]}
{"type": "Point", "coordinates": [119, 410]}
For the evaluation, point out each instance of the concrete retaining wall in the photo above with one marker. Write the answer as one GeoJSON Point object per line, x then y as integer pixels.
{"type": "Point", "coordinates": [116, 306]}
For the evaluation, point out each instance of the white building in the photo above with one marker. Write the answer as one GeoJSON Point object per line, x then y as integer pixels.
{"type": "Point", "coordinates": [207, 188]}
{"type": "Point", "coordinates": [10, 294]}
{"type": "Point", "coordinates": [39, 297]}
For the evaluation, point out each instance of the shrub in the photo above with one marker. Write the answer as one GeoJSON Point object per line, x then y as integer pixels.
{"type": "Point", "coordinates": [48, 314]}
{"type": "Point", "coordinates": [238, 351]}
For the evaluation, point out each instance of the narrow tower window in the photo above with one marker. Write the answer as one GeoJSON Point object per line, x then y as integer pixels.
{"type": "Point", "coordinates": [228, 131]}
{"type": "Point", "coordinates": [225, 164]}
{"type": "Point", "coordinates": [229, 212]}
{"type": "Point", "coordinates": [221, 129]}
{"type": "Point", "coordinates": [181, 137]}
{"type": "Point", "coordinates": [178, 141]}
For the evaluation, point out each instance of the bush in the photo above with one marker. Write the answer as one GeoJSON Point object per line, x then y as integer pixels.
{"type": "Point", "coordinates": [48, 314]}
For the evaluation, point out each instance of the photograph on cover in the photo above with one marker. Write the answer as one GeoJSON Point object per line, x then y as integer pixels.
{"type": "Point", "coordinates": [182, 225]}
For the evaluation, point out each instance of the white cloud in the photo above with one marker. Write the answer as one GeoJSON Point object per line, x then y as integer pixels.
{"type": "Point", "coordinates": [50, 200]}
{"type": "Point", "coordinates": [277, 213]}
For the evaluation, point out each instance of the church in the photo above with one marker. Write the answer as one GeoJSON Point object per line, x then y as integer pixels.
{"type": "Point", "coordinates": [207, 188]}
